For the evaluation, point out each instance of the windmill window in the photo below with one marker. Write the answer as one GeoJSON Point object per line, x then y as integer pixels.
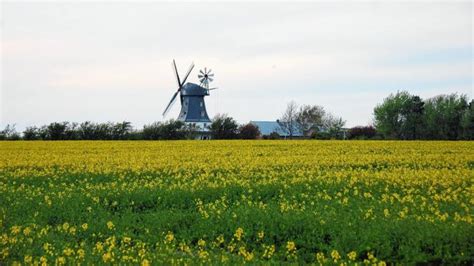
{"type": "Point", "coordinates": [202, 113]}
{"type": "Point", "coordinates": [200, 104]}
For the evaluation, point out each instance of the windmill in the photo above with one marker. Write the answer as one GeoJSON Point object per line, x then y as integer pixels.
{"type": "Point", "coordinates": [193, 107]}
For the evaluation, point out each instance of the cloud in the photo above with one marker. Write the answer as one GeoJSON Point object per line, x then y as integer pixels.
{"type": "Point", "coordinates": [87, 60]}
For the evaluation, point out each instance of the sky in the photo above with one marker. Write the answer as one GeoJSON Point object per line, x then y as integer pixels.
{"type": "Point", "coordinates": [111, 61]}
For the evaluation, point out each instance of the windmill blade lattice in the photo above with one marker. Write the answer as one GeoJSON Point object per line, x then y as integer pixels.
{"type": "Point", "coordinates": [180, 86]}
{"type": "Point", "coordinates": [205, 77]}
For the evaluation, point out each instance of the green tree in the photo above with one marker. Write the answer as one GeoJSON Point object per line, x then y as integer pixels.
{"type": "Point", "coordinates": [392, 115]}
{"type": "Point", "coordinates": [334, 126]}
{"type": "Point", "coordinates": [467, 122]}
{"type": "Point", "coordinates": [191, 131]}
{"type": "Point", "coordinates": [309, 119]}
{"type": "Point", "coordinates": [287, 122]}
{"type": "Point", "coordinates": [57, 130]}
{"type": "Point", "coordinates": [172, 130]}
{"type": "Point", "coordinates": [412, 118]}
{"type": "Point", "coordinates": [362, 132]}
{"type": "Point", "coordinates": [31, 133]}
{"type": "Point", "coordinates": [249, 131]}
{"type": "Point", "coordinates": [223, 127]}
{"type": "Point", "coordinates": [9, 133]}
{"type": "Point", "coordinates": [152, 131]}
{"type": "Point", "coordinates": [121, 130]}
{"type": "Point", "coordinates": [443, 116]}
{"type": "Point", "coordinates": [86, 130]}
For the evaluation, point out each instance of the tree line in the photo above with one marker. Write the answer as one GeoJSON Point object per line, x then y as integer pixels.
{"type": "Point", "coordinates": [400, 116]}
{"type": "Point", "coordinates": [311, 121]}
{"type": "Point", "coordinates": [222, 127]}
{"type": "Point", "coordinates": [409, 117]}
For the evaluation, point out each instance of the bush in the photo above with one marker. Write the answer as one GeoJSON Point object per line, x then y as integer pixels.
{"type": "Point", "coordinates": [170, 130]}
{"type": "Point", "coordinates": [249, 131]}
{"type": "Point", "coordinates": [223, 127]}
{"type": "Point", "coordinates": [321, 135]}
{"type": "Point", "coordinates": [274, 135]}
{"type": "Point", "coordinates": [9, 133]}
{"type": "Point", "coordinates": [362, 132]}
{"type": "Point", "coordinates": [31, 133]}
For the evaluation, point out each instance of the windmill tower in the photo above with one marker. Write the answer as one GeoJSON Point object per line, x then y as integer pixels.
{"type": "Point", "coordinates": [193, 106]}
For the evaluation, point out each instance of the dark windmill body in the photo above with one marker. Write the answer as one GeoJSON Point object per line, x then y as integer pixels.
{"type": "Point", "coordinates": [193, 107]}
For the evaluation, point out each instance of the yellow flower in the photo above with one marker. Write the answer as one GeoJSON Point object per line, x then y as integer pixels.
{"type": "Point", "coordinates": [220, 239]}
{"type": "Point", "coordinates": [26, 231]}
{"type": "Point", "coordinates": [68, 251]}
{"type": "Point", "coordinates": [352, 255]}
{"type": "Point", "coordinates": [320, 257]}
{"type": "Point", "coordinates": [15, 229]}
{"type": "Point", "coordinates": [99, 246]}
{"type": "Point", "coordinates": [269, 250]}
{"type": "Point", "coordinates": [107, 257]}
{"type": "Point", "coordinates": [65, 226]}
{"type": "Point", "coordinates": [60, 261]}
{"type": "Point", "coordinates": [203, 254]}
{"type": "Point", "coordinates": [43, 260]}
{"type": "Point", "coordinates": [335, 255]}
{"type": "Point", "coordinates": [290, 246]}
{"type": "Point", "coordinates": [291, 249]}
{"type": "Point", "coordinates": [127, 239]}
{"type": "Point", "coordinates": [238, 233]}
{"type": "Point", "coordinates": [370, 255]}
{"type": "Point", "coordinates": [183, 247]}
{"type": "Point", "coordinates": [145, 262]}
{"type": "Point", "coordinates": [169, 237]}
{"type": "Point", "coordinates": [201, 243]}
{"type": "Point", "coordinates": [249, 256]}
{"type": "Point", "coordinates": [46, 246]}
{"type": "Point", "coordinates": [28, 259]}
{"type": "Point", "coordinates": [81, 253]}
{"type": "Point", "coordinates": [84, 226]}
{"type": "Point", "coordinates": [110, 225]}
{"type": "Point", "coordinates": [261, 234]}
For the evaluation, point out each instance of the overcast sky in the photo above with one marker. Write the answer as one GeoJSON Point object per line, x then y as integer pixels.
{"type": "Point", "coordinates": [112, 61]}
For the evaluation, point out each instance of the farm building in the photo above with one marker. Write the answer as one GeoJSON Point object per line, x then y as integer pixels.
{"type": "Point", "coordinates": [268, 127]}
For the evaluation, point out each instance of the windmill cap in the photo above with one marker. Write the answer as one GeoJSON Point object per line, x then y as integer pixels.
{"type": "Point", "coordinates": [191, 89]}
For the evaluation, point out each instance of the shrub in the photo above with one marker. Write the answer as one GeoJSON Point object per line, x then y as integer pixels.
{"type": "Point", "coordinates": [362, 132]}
{"type": "Point", "coordinates": [223, 127]}
{"type": "Point", "coordinates": [249, 131]}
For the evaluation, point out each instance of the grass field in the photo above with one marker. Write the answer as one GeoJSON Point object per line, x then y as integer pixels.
{"type": "Point", "coordinates": [235, 201]}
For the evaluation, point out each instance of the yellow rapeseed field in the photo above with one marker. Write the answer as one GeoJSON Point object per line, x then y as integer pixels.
{"type": "Point", "coordinates": [174, 202]}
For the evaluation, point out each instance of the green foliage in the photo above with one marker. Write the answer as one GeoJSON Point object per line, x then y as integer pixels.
{"type": "Point", "coordinates": [444, 116]}
{"type": "Point", "coordinates": [170, 130]}
{"type": "Point", "coordinates": [273, 136]}
{"type": "Point", "coordinates": [374, 199]}
{"type": "Point", "coordinates": [390, 115]}
{"type": "Point", "coordinates": [333, 127]}
{"type": "Point", "coordinates": [249, 131]}
{"type": "Point", "coordinates": [223, 127]}
{"type": "Point", "coordinates": [467, 122]}
{"type": "Point", "coordinates": [405, 116]}
{"type": "Point", "coordinates": [359, 132]}
{"type": "Point", "coordinates": [310, 118]}
{"type": "Point", "coordinates": [9, 133]}
{"type": "Point", "coordinates": [31, 133]}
